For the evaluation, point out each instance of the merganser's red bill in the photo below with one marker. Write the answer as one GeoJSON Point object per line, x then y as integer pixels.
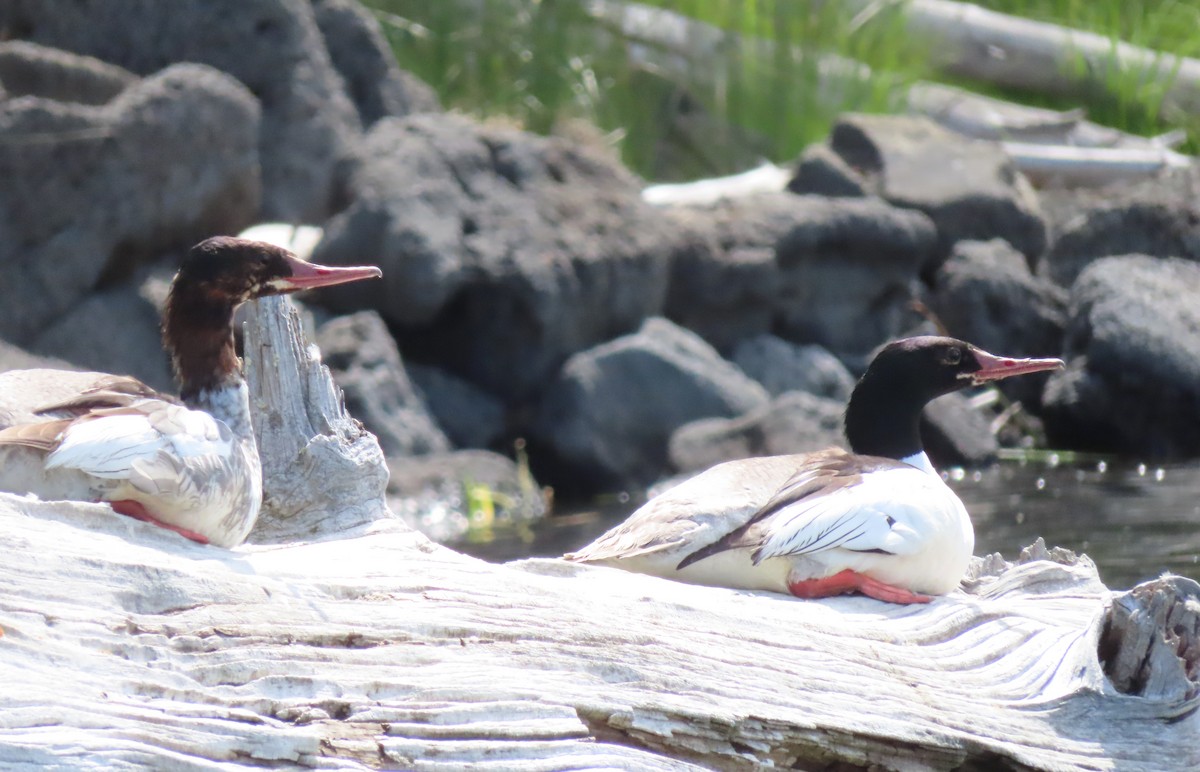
{"type": "Point", "coordinates": [994, 368]}
{"type": "Point", "coordinates": [310, 275]}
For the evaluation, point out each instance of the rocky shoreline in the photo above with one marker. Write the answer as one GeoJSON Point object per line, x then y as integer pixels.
{"type": "Point", "coordinates": [530, 292]}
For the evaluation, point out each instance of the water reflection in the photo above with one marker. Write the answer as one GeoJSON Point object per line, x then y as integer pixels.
{"type": "Point", "coordinates": [1135, 521]}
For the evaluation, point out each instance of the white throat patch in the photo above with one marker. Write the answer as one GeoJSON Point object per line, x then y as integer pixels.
{"type": "Point", "coordinates": [922, 462]}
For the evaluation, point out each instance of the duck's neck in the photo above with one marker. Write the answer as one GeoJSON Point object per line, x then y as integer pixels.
{"type": "Point", "coordinates": [198, 334]}
{"type": "Point", "coordinates": [883, 420]}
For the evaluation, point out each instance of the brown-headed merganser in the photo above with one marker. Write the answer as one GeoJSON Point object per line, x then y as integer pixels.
{"type": "Point", "coordinates": [878, 520]}
{"type": "Point", "coordinates": [189, 466]}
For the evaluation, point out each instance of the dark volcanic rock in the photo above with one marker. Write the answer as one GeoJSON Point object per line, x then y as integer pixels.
{"type": "Point", "coordinates": [502, 252]}
{"type": "Point", "coordinates": [172, 159]}
{"type": "Point", "coordinates": [848, 273]}
{"type": "Point", "coordinates": [361, 55]}
{"type": "Point", "coordinates": [822, 172]}
{"type": "Point", "coordinates": [272, 46]}
{"type": "Point", "coordinates": [1132, 384]}
{"type": "Point", "coordinates": [986, 294]}
{"type": "Point", "coordinates": [1163, 228]}
{"type": "Point", "coordinates": [794, 422]}
{"type": "Point", "coordinates": [470, 416]}
{"type": "Point", "coordinates": [955, 434]}
{"type": "Point", "coordinates": [781, 366]}
{"type": "Point", "coordinates": [840, 272]}
{"type": "Point", "coordinates": [27, 69]}
{"type": "Point", "coordinates": [724, 280]}
{"type": "Point", "coordinates": [14, 358]}
{"type": "Point", "coordinates": [968, 187]}
{"type": "Point", "coordinates": [608, 416]}
{"type": "Point", "coordinates": [360, 352]}
{"type": "Point", "coordinates": [115, 331]}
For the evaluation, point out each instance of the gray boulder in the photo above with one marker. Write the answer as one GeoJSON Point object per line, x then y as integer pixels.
{"type": "Point", "coordinates": [502, 252]}
{"type": "Point", "coordinates": [1167, 227]}
{"type": "Point", "coordinates": [986, 294]}
{"type": "Point", "coordinates": [171, 159]}
{"type": "Point", "coordinates": [14, 358]}
{"type": "Point", "coordinates": [366, 365]}
{"type": "Point", "coordinates": [781, 366]}
{"type": "Point", "coordinates": [116, 330]}
{"type": "Point", "coordinates": [956, 434]}
{"type": "Point", "coordinates": [969, 188]}
{"type": "Point", "coordinates": [1132, 384]}
{"type": "Point", "coordinates": [822, 172]}
{"type": "Point", "coordinates": [274, 47]}
{"type": "Point", "coordinates": [793, 422]}
{"type": "Point", "coordinates": [27, 69]}
{"type": "Point", "coordinates": [607, 418]}
{"type": "Point", "coordinates": [361, 55]}
{"type": "Point", "coordinates": [839, 272]}
{"type": "Point", "coordinates": [724, 278]}
{"type": "Point", "coordinates": [849, 273]}
{"type": "Point", "coordinates": [469, 416]}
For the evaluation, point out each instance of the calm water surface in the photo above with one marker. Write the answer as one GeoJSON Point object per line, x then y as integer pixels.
{"type": "Point", "coordinates": [1135, 521]}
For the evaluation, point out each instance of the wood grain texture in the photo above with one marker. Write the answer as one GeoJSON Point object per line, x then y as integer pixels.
{"type": "Point", "coordinates": [316, 458]}
{"type": "Point", "coordinates": [126, 646]}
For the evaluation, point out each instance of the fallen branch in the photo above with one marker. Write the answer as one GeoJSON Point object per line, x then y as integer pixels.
{"type": "Point", "coordinates": [968, 41]}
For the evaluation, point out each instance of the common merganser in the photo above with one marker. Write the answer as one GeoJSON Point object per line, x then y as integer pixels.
{"type": "Point", "coordinates": [191, 466]}
{"type": "Point", "coordinates": [879, 520]}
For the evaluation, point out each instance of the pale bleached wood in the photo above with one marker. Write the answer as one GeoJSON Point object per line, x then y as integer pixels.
{"type": "Point", "coordinates": [316, 458]}
{"type": "Point", "coordinates": [127, 647]}
{"type": "Point", "coordinates": [1042, 164]}
{"type": "Point", "coordinates": [969, 41]}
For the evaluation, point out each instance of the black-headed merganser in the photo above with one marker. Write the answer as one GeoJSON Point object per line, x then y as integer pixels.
{"type": "Point", "coordinates": [878, 520]}
{"type": "Point", "coordinates": [189, 466]}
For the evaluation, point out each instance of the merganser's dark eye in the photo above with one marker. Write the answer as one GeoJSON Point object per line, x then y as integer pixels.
{"type": "Point", "coordinates": [952, 357]}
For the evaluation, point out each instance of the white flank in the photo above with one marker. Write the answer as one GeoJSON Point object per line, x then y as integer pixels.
{"type": "Point", "coordinates": [897, 510]}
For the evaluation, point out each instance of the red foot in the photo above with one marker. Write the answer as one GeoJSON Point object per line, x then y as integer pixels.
{"type": "Point", "coordinates": [135, 510]}
{"type": "Point", "coordinates": [848, 581]}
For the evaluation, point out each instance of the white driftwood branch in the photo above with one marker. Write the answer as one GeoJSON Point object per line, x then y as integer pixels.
{"type": "Point", "coordinates": [316, 458]}
{"type": "Point", "coordinates": [767, 178]}
{"type": "Point", "coordinates": [1043, 165]}
{"type": "Point", "coordinates": [126, 646]}
{"type": "Point", "coordinates": [697, 54]}
{"type": "Point", "coordinates": [969, 41]}
{"type": "Point", "coordinates": [984, 117]}
{"type": "Point", "coordinates": [1067, 166]}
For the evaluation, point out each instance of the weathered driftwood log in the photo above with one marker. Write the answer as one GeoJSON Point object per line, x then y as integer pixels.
{"type": "Point", "coordinates": [126, 646]}
{"type": "Point", "coordinates": [984, 117]}
{"type": "Point", "coordinates": [316, 458]}
{"type": "Point", "coordinates": [969, 41]}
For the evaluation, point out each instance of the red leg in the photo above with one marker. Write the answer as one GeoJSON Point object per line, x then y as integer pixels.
{"type": "Point", "coordinates": [848, 581]}
{"type": "Point", "coordinates": [135, 510]}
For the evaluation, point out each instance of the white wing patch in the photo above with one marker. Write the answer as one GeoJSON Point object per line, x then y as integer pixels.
{"type": "Point", "coordinates": [893, 510]}
{"type": "Point", "coordinates": [112, 446]}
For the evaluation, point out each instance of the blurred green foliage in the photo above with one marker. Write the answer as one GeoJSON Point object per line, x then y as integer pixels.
{"type": "Point", "coordinates": [762, 92]}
